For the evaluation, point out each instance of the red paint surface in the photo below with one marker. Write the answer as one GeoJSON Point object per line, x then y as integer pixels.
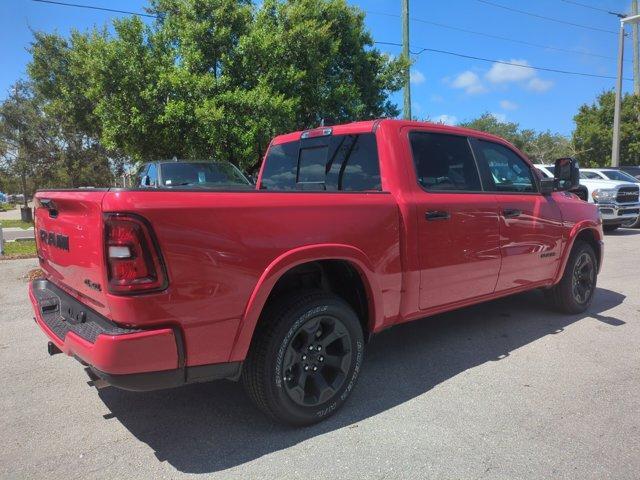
{"type": "Point", "coordinates": [224, 251]}
{"type": "Point", "coordinates": [150, 351]}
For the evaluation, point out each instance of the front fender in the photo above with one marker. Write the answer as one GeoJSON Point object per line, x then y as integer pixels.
{"type": "Point", "coordinates": [292, 258]}
{"type": "Point", "coordinates": [585, 225]}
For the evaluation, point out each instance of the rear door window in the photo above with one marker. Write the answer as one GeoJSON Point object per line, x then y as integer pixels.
{"type": "Point", "coordinates": [333, 163]}
{"type": "Point", "coordinates": [444, 162]}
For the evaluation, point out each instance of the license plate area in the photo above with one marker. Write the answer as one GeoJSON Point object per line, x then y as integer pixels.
{"type": "Point", "coordinates": [72, 314]}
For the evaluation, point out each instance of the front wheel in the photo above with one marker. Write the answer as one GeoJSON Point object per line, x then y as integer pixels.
{"type": "Point", "coordinates": [574, 293]}
{"type": "Point", "coordinates": [305, 357]}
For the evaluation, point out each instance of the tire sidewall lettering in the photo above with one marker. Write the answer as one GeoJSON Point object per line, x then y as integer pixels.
{"type": "Point", "coordinates": [282, 348]}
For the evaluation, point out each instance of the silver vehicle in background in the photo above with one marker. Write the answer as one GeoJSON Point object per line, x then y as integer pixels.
{"type": "Point", "coordinates": [618, 201]}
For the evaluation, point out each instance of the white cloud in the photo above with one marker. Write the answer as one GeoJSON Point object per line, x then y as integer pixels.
{"type": "Point", "coordinates": [469, 82]}
{"type": "Point", "coordinates": [436, 98]}
{"type": "Point", "coordinates": [502, 73]}
{"type": "Point", "coordinates": [538, 85]}
{"type": "Point", "coordinates": [498, 78]}
{"type": "Point", "coordinates": [446, 119]}
{"type": "Point", "coordinates": [417, 77]}
{"type": "Point", "coordinates": [501, 117]}
{"type": "Point", "coordinates": [508, 105]}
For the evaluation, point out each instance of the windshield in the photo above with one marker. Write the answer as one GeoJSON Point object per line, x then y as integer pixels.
{"type": "Point", "coordinates": [618, 175]}
{"type": "Point", "coordinates": [201, 174]}
{"type": "Point", "coordinates": [590, 175]}
{"type": "Point", "coordinates": [545, 171]}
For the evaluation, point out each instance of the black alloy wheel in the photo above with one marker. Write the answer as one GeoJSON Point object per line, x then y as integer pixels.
{"type": "Point", "coordinates": [576, 289]}
{"type": "Point", "coordinates": [317, 361]}
{"type": "Point", "coordinates": [584, 274]}
{"type": "Point", "coordinates": [305, 357]}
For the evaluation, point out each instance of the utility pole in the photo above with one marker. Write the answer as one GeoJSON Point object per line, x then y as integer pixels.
{"type": "Point", "coordinates": [615, 147]}
{"type": "Point", "coordinates": [636, 50]}
{"type": "Point", "coordinates": [405, 53]}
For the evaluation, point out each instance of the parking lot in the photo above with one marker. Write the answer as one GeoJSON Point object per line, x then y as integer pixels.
{"type": "Point", "coordinates": [508, 389]}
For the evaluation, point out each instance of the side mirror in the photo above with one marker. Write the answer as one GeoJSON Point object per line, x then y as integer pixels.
{"type": "Point", "coordinates": [146, 181]}
{"type": "Point", "coordinates": [566, 174]}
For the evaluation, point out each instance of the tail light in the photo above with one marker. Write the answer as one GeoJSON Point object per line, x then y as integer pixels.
{"type": "Point", "coordinates": [134, 264]}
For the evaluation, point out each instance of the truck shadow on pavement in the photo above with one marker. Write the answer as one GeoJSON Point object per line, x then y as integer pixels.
{"type": "Point", "coordinates": [211, 427]}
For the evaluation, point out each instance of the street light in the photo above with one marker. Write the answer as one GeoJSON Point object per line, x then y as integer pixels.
{"type": "Point", "coordinates": [615, 147]}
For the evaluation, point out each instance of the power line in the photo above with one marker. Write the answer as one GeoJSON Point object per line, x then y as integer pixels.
{"type": "Point", "coordinates": [566, 72]}
{"type": "Point", "coordinates": [441, 25]}
{"type": "Point", "coordinates": [91, 7]}
{"type": "Point", "coordinates": [550, 19]}
{"type": "Point", "coordinates": [497, 37]}
{"type": "Point", "coordinates": [591, 7]}
{"type": "Point", "coordinates": [544, 69]}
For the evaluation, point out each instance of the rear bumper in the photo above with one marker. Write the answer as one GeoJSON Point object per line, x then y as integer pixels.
{"type": "Point", "coordinates": [127, 358]}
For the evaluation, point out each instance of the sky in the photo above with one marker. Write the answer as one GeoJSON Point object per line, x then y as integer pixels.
{"type": "Point", "coordinates": [445, 87]}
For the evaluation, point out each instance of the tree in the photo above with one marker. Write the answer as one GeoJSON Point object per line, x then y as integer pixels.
{"type": "Point", "coordinates": [540, 147]}
{"type": "Point", "coordinates": [215, 78]}
{"type": "Point", "coordinates": [25, 137]}
{"type": "Point", "coordinates": [59, 70]}
{"type": "Point", "coordinates": [594, 130]}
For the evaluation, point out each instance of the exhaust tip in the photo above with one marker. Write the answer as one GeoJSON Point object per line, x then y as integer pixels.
{"type": "Point", "coordinates": [95, 380]}
{"type": "Point", "coordinates": [53, 349]}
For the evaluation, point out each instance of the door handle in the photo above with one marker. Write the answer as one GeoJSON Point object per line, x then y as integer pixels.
{"type": "Point", "coordinates": [432, 215]}
{"type": "Point", "coordinates": [511, 212]}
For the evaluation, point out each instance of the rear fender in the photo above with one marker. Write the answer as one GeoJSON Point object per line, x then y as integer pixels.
{"type": "Point", "coordinates": [298, 256]}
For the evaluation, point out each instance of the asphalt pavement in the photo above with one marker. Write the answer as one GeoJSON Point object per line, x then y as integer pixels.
{"type": "Point", "coordinates": [505, 390]}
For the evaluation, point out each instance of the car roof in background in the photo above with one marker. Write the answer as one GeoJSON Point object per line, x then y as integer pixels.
{"type": "Point", "coordinates": [164, 162]}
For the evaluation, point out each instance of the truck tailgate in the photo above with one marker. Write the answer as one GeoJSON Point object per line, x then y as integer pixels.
{"type": "Point", "coordinates": [69, 238]}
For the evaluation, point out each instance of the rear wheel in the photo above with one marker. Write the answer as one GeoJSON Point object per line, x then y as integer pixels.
{"type": "Point", "coordinates": [305, 358]}
{"type": "Point", "coordinates": [574, 292]}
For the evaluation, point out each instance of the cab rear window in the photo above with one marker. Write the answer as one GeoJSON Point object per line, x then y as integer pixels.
{"type": "Point", "coordinates": [333, 163]}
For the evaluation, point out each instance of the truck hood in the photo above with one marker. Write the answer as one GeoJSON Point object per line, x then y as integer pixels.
{"type": "Point", "coordinates": [592, 184]}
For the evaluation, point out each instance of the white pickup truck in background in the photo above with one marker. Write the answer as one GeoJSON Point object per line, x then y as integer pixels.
{"type": "Point", "coordinates": [618, 201]}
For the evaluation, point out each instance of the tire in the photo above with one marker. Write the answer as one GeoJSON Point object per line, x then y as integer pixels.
{"type": "Point", "coordinates": [574, 293]}
{"type": "Point", "coordinates": [311, 329]}
{"type": "Point", "coordinates": [610, 228]}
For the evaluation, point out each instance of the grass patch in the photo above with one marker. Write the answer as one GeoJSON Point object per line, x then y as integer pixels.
{"type": "Point", "coordinates": [24, 249]}
{"type": "Point", "coordinates": [5, 207]}
{"type": "Point", "coordinates": [15, 223]}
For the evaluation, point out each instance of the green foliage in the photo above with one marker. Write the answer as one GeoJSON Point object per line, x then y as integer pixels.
{"type": "Point", "coordinates": [25, 137]}
{"type": "Point", "coordinates": [213, 78]}
{"type": "Point", "coordinates": [594, 131]}
{"type": "Point", "coordinates": [540, 147]}
{"type": "Point", "coordinates": [22, 249]}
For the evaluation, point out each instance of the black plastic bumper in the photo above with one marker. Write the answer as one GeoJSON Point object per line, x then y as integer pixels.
{"type": "Point", "coordinates": [143, 382]}
{"type": "Point", "coordinates": [62, 314]}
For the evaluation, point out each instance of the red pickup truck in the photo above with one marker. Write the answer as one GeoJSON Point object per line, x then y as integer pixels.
{"type": "Point", "coordinates": [351, 229]}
